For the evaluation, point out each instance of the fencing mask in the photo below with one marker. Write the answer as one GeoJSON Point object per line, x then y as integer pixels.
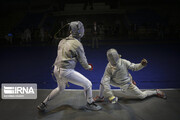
{"type": "Point", "coordinates": [113, 56]}
{"type": "Point", "coordinates": [77, 29]}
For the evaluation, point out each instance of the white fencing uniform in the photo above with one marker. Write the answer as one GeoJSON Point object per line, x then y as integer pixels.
{"type": "Point", "coordinates": [116, 74]}
{"type": "Point", "coordinates": [70, 50]}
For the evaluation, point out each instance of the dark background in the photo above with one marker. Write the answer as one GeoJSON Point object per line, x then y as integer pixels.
{"type": "Point", "coordinates": [136, 28]}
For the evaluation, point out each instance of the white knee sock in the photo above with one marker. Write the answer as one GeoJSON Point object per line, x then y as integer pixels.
{"type": "Point", "coordinates": [149, 93]}
{"type": "Point", "coordinates": [88, 94]}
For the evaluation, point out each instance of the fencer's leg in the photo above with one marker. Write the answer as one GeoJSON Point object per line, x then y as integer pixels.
{"type": "Point", "coordinates": [60, 88]}
{"type": "Point", "coordinates": [149, 93]}
{"type": "Point", "coordinates": [134, 92]}
{"type": "Point", "coordinates": [55, 92]}
{"type": "Point", "coordinates": [78, 79]}
{"type": "Point", "coordinates": [88, 94]}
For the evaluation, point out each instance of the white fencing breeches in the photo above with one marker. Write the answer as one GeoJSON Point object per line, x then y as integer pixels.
{"type": "Point", "coordinates": [63, 76]}
{"type": "Point", "coordinates": [134, 92]}
{"type": "Point", "coordinates": [131, 92]}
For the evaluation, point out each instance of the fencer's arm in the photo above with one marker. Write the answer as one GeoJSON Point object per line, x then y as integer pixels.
{"type": "Point", "coordinates": [106, 83]}
{"type": "Point", "coordinates": [133, 66]}
{"type": "Point", "coordinates": [82, 58]}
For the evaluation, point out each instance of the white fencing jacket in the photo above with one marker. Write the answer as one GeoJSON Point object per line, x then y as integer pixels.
{"type": "Point", "coordinates": [118, 75]}
{"type": "Point", "coordinates": [70, 50]}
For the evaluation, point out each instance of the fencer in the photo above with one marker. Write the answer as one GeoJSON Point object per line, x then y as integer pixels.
{"type": "Point", "coordinates": [70, 50]}
{"type": "Point", "coordinates": [116, 74]}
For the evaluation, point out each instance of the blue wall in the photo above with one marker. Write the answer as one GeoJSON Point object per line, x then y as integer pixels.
{"type": "Point", "coordinates": [33, 65]}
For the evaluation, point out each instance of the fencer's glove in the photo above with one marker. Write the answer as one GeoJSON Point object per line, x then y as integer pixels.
{"type": "Point", "coordinates": [90, 67]}
{"type": "Point", "coordinates": [113, 99]}
{"type": "Point", "coordinates": [144, 62]}
{"type": "Point", "coordinates": [133, 82]}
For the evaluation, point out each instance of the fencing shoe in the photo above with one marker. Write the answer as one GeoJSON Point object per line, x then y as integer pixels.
{"type": "Point", "coordinates": [113, 99]}
{"type": "Point", "coordinates": [92, 106]}
{"type": "Point", "coordinates": [161, 94]}
{"type": "Point", "coordinates": [41, 107]}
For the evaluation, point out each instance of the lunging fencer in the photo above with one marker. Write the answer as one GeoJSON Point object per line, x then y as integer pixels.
{"type": "Point", "coordinates": [116, 74]}
{"type": "Point", "coordinates": [70, 50]}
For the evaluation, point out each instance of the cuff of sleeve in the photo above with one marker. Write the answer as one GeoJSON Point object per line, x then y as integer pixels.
{"type": "Point", "coordinates": [89, 66]}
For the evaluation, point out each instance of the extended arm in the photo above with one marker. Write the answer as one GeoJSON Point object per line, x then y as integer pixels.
{"type": "Point", "coordinates": [136, 67]}
{"type": "Point", "coordinates": [82, 58]}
